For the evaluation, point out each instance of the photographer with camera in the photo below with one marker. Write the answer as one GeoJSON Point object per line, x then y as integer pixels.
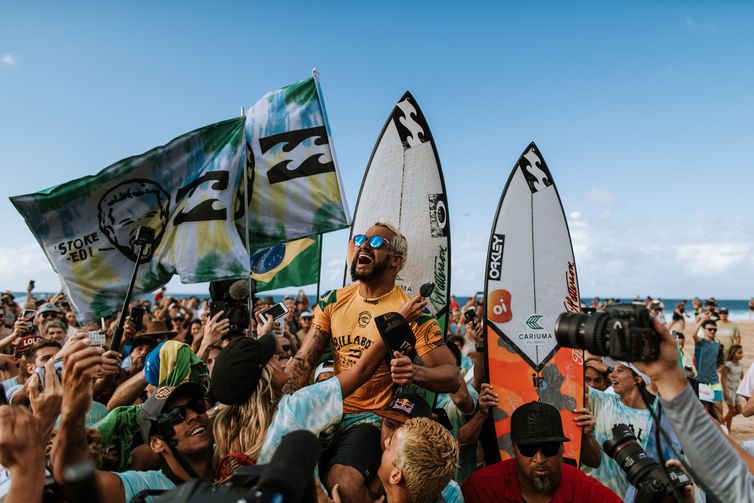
{"type": "Point", "coordinates": [715, 462]}
{"type": "Point", "coordinates": [537, 472]}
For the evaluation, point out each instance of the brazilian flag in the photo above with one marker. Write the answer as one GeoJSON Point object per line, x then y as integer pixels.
{"type": "Point", "coordinates": [295, 263]}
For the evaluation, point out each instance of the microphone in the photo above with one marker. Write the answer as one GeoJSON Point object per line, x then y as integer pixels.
{"type": "Point", "coordinates": [239, 290]}
{"type": "Point", "coordinates": [291, 469]}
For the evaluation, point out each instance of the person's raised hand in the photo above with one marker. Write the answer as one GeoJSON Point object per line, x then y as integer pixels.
{"type": "Point", "coordinates": [129, 329]}
{"type": "Point", "coordinates": [487, 398]}
{"type": "Point", "coordinates": [80, 367]}
{"type": "Point", "coordinates": [215, 329]}
{"type": "Point", "coordinates": [267, 327]}
{"type": "Point", "coordinates": [20, 440]}
{"type": "Point", "coordinates": [111, 361]}
{"type": "Point", "coordinates": [20, 328]}
{"type": "Point", "coordinates": [402, 369]}
{"type": "Point", "coordinates": [585, 419]}
{"type": "Point", "coordinates": [46, 404]}
{"type": "Point", "coordinates": [413, 308]}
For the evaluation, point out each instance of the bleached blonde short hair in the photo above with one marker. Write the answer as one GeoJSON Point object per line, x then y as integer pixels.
{"type": "Point", "coordinates": [427, 456]}
{"type": "Point", "coordinates": [398, 243]}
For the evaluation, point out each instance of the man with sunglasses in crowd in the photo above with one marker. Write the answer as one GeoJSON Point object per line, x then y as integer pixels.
{"type": "Point", "coordinates": [537, 472]}
{"type": "Point", "coordinates": [708, 353]}
{"type": "Point", "coordinates": [345, 317]}
{"type": "Point", "coordinates": [173, 422]}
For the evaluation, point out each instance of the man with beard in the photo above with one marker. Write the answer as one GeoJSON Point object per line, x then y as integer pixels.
{"type": "Point", "coordinates": [345, 317]}
{"type": "Point", "coordinates": [537, 472]}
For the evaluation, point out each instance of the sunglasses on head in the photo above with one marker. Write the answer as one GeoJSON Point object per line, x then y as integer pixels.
{"type": "Point", "coordinates": [374, 241]}
{"type": "Point", "coordinates": [178, 414]}
{"type": "Point", "coordinates": [548, 449]}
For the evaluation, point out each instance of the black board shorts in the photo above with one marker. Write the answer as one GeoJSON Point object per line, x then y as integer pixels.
{"type": "Point", "coordinates": [357, 447]}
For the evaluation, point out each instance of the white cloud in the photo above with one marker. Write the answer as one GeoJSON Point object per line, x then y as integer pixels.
{"type": "Point", "coordinates": [713, 259]}
{"type": "Point", "coordinates": [19, 265]}
{"type": "Point", "coordinates": [8, 59]}
{"type": "Point", "coordinates": [601, 196]}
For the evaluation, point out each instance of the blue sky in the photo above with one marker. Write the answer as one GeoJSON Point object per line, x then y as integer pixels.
{"type": "Point", "coordinates": [643, 111]}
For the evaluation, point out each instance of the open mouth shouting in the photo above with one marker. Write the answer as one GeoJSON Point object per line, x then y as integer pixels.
{"type": "Point", "coordinates": [364, 258]}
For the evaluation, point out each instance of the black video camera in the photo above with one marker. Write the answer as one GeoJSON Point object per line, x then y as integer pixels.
{"type": "Point", "coordinates": [643, 471]}
{"type": "Point", "coordinates": [231, 297]}
{"type": "Point", "coordinates": [622, 331]}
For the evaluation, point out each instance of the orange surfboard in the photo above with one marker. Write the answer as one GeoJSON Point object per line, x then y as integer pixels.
{"type": "Point", "coordinates": [530, 280]}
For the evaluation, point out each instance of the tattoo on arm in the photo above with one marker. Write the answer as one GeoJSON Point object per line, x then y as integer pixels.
{"type": "Point", "coordinates": [301, 366]}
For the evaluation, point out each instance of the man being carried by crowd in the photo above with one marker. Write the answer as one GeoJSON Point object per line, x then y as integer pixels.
{"type": "Point", "coordinates": [345, 317]}
{"type": "Point", "coordinates": [183, 407]}
{"type": "Point", "coordinates": [537, 472]}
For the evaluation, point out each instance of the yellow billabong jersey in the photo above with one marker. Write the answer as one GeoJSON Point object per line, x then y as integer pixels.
{"type": "Point", "coordinates": [349, 318]}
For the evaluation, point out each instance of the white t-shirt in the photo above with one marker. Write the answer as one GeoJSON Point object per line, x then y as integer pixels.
{"type": "Point", "coordinates": [746, 388]}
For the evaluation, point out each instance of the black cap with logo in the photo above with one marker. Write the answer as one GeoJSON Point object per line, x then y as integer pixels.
{"type": "Point", "coordinates": [536, 422]}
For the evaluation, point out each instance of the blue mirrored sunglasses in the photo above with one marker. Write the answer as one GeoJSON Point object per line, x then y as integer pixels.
{"type": "Point", "coordinates": [374, 241]}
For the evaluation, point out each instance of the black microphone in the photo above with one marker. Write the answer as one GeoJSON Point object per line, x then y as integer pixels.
{"type": "Point", "coordinates": [239, 290]}
{"type": "Point", "coordinates": [291, 469]}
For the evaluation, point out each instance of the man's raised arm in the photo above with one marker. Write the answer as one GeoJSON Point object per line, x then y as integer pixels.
{"type": "Point", "coordinates": [300, 367]}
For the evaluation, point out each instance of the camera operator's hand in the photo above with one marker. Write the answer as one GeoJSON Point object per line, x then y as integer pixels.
{"type": "Point", "coordinates": [665, 371]}
{"type": "Point", "coordinates": [585, 419]}
{"type": "Point", "coordinates": [216, 327]}
{"type": "Point", "coordinates": [80, 367]}
{"type": "Point", "coordinates": [46, 404]}
{"type": "Point", "coordinates": [689, 495]}
{"type": "Point", "coordinates": [413, 308]}
{"type": "Point", "coordinates": [402, 369]}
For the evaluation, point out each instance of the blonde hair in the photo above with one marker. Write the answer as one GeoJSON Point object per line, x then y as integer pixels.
{"type": "Point", "coordinates": [398, 243]}
{"type": "Point", "coordinates": [241, 429]}
{"type": "Point", "coordinates": [427, 455]}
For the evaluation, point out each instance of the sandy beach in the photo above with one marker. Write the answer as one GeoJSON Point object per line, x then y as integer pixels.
{"type": "Point", "coordinates": [743, 428]}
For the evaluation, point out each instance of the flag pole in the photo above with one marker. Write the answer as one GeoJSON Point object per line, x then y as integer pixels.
{"type": "Point", "coordinates": [319, 270]}
{"type": "Point", "coordinates": [245, 202]}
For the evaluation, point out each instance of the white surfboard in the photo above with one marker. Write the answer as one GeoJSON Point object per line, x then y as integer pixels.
{"type": "Point", "coordinates": [404, 184]}
{"type": "Point", "coordinates": [531, 274]}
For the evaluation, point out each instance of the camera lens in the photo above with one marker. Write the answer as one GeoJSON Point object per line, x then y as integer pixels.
{"type": "Point", "coordinates": [582, 331]}
{"type": "Point", "coordinates": [629, 455]}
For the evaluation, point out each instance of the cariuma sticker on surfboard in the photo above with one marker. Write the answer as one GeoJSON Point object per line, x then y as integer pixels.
{"type": "Point", "coordinates": [531, 276]}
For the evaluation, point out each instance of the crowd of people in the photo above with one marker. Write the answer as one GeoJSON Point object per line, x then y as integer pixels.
{"type": "Point", "coordinates": [190, 394]}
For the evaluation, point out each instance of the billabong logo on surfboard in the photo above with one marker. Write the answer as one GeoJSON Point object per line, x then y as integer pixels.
{"type": "Point", "coordinates": [535, 170]}
{"type": "Point", "coordinates": [410, 123]}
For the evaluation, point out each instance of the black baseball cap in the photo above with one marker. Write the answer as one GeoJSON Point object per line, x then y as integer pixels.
{"type": "Point", "coordinates": [536, 422]}
{"type": "Point", "coordinates": [160, 399]}
{"type": "Point", "coordinates": [238, 368]}
{"type": "Point", "coordinates": [404, 406]}
{"type": "Point", "coordinates": [144, 340]}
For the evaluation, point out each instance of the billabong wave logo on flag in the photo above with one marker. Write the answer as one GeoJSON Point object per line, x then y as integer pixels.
{"type": "Point", "coordinates": [295, 263]}
{"type": "Point", "coordinates": [296, 191]}
{"type": "Point", "coordinates": [190, 193]}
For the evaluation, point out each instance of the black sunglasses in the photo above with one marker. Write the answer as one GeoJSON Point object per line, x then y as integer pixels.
{"type": "Point", "coordinates": [178, 414]}
{"type": "Point", "coordinates": [548, 449]}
